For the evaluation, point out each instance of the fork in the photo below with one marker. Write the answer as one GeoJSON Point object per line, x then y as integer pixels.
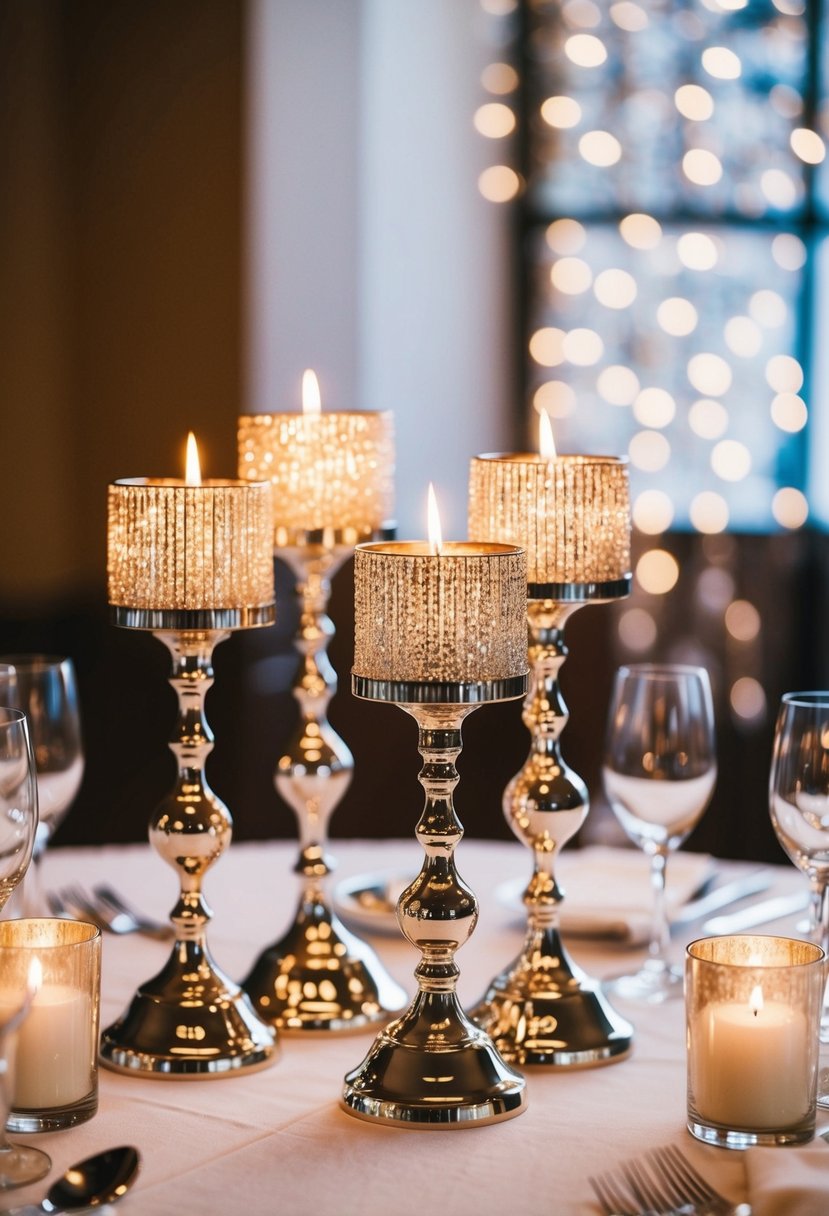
{"type": "Point", "coordinates": [666, 1184]}
{"type": "Point", "coordinates": [105, 908]}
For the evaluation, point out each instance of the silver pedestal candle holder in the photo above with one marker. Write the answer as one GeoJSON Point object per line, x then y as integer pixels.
{"type": "Point", "coordinates": [190, 1020]}
{"type": "Point", "coordinates": [457, 614]}
{"type": "Point", "coordinates": [572, 512]}
{"type": "Point", "coordinates": [318, 976]}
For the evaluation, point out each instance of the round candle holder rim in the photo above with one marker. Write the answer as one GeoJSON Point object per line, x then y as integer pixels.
{"type": "Point", "coordinates": [69, 933]}
{"type": "Point", "coordinates": [439, 692]}
{"type": "Point", "coordinates": [272, 414]}
{"type": "Point", "coordinates": [581, 458]}
{"type": "Point", "coordinates": [178, 483]}
{"type": "Point", "coordinates": [193, 620]}
{"type": "Point", "coordinates": [346, 537]}
{"type": "Point", "coordinates": [694, 952]}
{"type": "Point", "coordinates": [582, 593]}
{"type": "Point", "coordinates": [449, 548]}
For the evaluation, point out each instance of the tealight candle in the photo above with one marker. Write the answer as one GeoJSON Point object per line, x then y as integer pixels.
{"type": "Point", "coordinates": [190, 545]}
{"type": "Point", "coordinates": [53, 966]}
{"type": "Point", "coordinates": [753, 1008]}
{"type": "Point", "coordinates": [570, 513]}
{"type": "Point", "coordinates": [328, 471]}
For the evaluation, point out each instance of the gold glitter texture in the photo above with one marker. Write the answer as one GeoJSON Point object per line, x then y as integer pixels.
{"type": "Point", "coordinates": [461, 616]}
{"type": "Point", "coordinates": [175, 546]}
{"type": "Point", "coordinates": [328, 470]}
{"type": "Point", "coordinates": [570, 513]}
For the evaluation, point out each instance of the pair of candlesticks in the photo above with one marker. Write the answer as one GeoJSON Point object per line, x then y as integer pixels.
{"type": "Point", "coordinates": [440, 629]}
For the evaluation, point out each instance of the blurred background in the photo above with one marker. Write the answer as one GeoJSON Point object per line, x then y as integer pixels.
{"type": "Point", "coordinates": [466, 213]}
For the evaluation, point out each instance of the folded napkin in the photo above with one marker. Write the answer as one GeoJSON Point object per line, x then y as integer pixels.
{"type": "Point", "coordinates": [788, 1181]}
{"type": "Point", "coordinates": [608, 891]}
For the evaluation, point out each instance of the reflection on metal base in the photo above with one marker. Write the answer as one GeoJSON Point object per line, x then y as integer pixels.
{"type": "Point", "coordinates": [188, 1021]}
{"type": "Point", "coordinates": [318, 976]}
{"type": "Point", "coordinates": [433, 1068]}
{"type": "Point", "coordinates": [321, 977]}
{"type": "Point", "coordinates": [543, 1010]}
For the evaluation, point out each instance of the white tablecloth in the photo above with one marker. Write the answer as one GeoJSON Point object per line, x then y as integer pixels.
{"type": "Point", "coordinates": [277, 1141]}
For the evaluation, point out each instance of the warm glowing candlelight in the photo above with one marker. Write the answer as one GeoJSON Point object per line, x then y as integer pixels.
{"type": "Point", "coordinates": [35, 977]}
{"type": "Point", "coordinates": [546, 442]}
{"type": "Point", "coordinates": [192, 468]}
{"type": "Point", "coordinates": [435, 534]}
{"type": "Point", "coordinates": [311, 399]}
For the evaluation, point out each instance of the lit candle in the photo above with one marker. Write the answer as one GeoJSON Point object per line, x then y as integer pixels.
{"type": "Point", "coordinates": [439, 611]}
{"type": "Point", "coordinates": [752, 1011]}
{"type": "Point", "coordinates": [55, 1047]}
{"type": "Point", "coordinates": [190, 545]}
{"type": "Point", "coordinates": [328, 470]}
{"type": "Point", "coordinates": [570, 513]}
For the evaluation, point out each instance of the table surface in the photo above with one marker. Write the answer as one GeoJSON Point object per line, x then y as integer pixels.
{"type": "Point", "coordinates": [277, 1139]}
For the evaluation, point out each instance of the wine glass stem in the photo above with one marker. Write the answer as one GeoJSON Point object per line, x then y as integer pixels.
{"type": "Point", "coordinates": [820, 935]}
{"type": "Point", "coordinates": [659, 924]}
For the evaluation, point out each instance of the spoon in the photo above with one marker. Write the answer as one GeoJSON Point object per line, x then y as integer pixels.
{"type": "Point", "coordinates": [99, 1179]}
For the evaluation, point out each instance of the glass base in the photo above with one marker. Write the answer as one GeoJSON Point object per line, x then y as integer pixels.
{"type": "Point", "coordinates": [654, 983]}
{"type": "Point", "coordinates": [20, 1165]}
{"type": "Point", "coordinates": [54, 1119]}
{"type": "Point", "coordinates": [724, 1137]}
{"type": "Point", "coordinates": [823, 1088]}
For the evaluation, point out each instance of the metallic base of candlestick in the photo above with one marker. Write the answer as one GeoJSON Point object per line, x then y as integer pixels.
{"type": "Point", "coordinates": [320, 977]}
{"type": "Point", "coordinates": [196, 620]}
{"type": "Point", "coordinates": [438, 692]}
{"type": "Point", "coordinates": [406, 1080]}
{"type": "Point", "coordinates": [543, 1010]}
{"type": "Point", "coordinates": [188, 1021]}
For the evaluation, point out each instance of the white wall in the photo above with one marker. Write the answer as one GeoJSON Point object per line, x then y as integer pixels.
{"type": "Point", "coordinates": [373, 257]}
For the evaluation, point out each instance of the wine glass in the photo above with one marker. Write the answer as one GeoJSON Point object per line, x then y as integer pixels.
{"type": "Point", "coordinates": [659, 772]}
{"type": "Point", "coordinates": [45, 688]}
{"type": "Point", "coordinates": [18, 827]}
{"type": "Point", "coordinates": [799, 806]}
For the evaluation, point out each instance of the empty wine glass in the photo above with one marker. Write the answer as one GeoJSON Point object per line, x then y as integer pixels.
{"type": "Point", "coordinates": [659, 773]}
{"type": "Point", "coordinates": [45, 689]}
{"type": "Point", "coordinates": [799, 806]}
{"type": "Point", "coordinates": [18, 801]}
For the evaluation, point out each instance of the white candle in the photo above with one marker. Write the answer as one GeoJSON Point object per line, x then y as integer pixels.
{"type": "Point", "coordinates": [54, 1049]}
{"type": "Point", "coordinates": [750, 1064]}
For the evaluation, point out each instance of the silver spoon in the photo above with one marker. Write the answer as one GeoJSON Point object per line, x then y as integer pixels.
{"type": "Point", "coordinates": [100, 1179]}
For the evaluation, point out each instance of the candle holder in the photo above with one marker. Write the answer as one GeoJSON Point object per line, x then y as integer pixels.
{"type": "Point", "coordinates": [438, 631]}
{"type": "Point", "coordinates": [433, 1067]}
{"type": "Point", "coordinates": [318, 976]}
{"type": "Point", "coordinates": [206, 550]}
{"type": "Point", "coordinates": [573, 514]}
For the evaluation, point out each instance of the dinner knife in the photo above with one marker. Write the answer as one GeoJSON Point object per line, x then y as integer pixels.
{"type": "Point", "coordinates": [720, 897]}
{"type": "Point", "coordinates": [758, 914]}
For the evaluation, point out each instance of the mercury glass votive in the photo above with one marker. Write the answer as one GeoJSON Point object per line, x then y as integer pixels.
{"type": "Point", "coordinates": [331, 476]}
{"type": "Point", "coordinates": [55, 1053]}
{"type": "Point", "coordinates": [190, 561]}
{"type": "Point", "coordinates": [572, 515]}
{"type": "Point", "coordinates": [437, 633]}
{"type": "Point", "coordinates": [752, 1015]}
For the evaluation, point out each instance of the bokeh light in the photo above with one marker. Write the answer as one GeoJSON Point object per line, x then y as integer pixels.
{"type": "Point", "coordinates": [657, 571]}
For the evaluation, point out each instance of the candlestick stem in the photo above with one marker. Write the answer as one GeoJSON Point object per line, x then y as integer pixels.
{"type": "Point", "coordinates": [543, 1009]}
{"type": "Point", "coordinates": [190, 1018]}
{"type": "Point", "coordinates": [318, 976]}
{"type": "Point", "coordinates": [432, 1066]}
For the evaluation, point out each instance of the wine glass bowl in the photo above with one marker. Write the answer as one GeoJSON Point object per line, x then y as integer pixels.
{"type": "Point", "coordinates": [659, 773]}
{"type": "Point", "coordinates": [18, 801]}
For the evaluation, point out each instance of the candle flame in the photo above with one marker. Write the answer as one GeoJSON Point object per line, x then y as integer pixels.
{"type": "Point", "coordinates": [311, 401]}
{"type": "Point", "coordinates": [755, 1001]}
{"type": "Point", "coordinates": [435, 536]}
{"type": "Point", "coordinates": [546, 442]}
{"type": "Point", "coordinates": [192, 474]}
{"type": "Point", "coordinates": [35, 977]}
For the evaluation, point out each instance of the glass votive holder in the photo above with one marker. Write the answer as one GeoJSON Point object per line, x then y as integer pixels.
{"type": "Point", "coordinates": [752, 1006]}
{"type": "Point", "coordinates": [55, 965]}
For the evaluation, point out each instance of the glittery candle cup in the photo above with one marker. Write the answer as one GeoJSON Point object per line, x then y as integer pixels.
{"type": "Point", "coordinates": [457, 617]}
{"type": "Point", "coordinates": [190, 548]}
{"type": "Point", "coordinates": [570, 513]}
{"type": "Point", "coordinates": [329, 471]}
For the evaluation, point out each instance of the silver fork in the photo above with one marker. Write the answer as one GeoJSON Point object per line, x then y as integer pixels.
{"type": "Point", "coordinates": [106, 910]}
{"type": "Point", "coordinates": [665, 1184]}
{"type": "Point", "coordinates": [687, 1187]}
